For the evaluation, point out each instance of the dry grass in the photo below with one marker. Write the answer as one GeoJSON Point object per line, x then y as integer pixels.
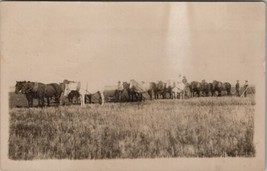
{"type": "Point", "coordinates": [198, 127]}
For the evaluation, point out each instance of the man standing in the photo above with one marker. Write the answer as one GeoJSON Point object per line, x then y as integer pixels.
{"type": "Point", "coordinates": [245, 88]}
{"type": "Point", "coordinates": [237, 88]}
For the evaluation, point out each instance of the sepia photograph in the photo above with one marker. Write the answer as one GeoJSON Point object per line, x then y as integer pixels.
{"type": "Point", "coordinates": [132, 85]}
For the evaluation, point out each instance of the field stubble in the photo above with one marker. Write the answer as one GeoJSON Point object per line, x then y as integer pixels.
{"type": "Point", "coordinates": [197, 127]}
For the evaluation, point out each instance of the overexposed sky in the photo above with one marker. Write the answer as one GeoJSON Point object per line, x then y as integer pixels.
{"type": "Point", "coordinates": [101, 43]}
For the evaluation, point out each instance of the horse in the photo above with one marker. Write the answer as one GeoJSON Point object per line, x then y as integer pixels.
{"type": "Point", "coordinates": [195, 88]}
{"type": "Point", "coordinates": [31, 90]}
{"type": "Point", "coordinates": [168, 89]}
{"type": "Point", "coordinates": [220, 87]}
{"type": "Point", "coordinates": [159, 90]}
{"type": "Point", "coordinates": [53, 90]}
{"type": "Point", "coordinates": [39, 91]}
{"type": "Point", "coordinates": [206, 88]}
{"type": "Point", "coordinates": [77, 86]}
{"type": "Point", "coordinates": [18, 88]}
{"type": "Point", "coordinates": [132, 95]}
{"type": "Point", "coordinates": [178, 90]}
{"type": "Point", "coordinates": [19, 85]}
{"type": "Point", "coordinates": [142, 88]}
{"type": "Point", "coordinates": [119, 91]}
{"type": "Point", "coordinates": [187, 92]}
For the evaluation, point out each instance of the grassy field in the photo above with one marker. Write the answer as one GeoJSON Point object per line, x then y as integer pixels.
{"type": "Point", "coordinates": [196, 127]}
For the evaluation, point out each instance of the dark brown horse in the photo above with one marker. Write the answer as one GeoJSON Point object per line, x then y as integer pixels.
{"type": "Point", "coordinates": [206, 88]}
{"type": "Point", "coordinates": [31, 90]}
{"type": "Point", "coordinates": [219, 87]}
{"type": "Point", "coordinates": [168, 90]}
{"type": "Point", "coordinates": [35, 90]}
{"type": "Point", "coordinates": [53, 90]}
{"type": "Point", "coordinates": [159, 90]}
{"type": "Point", "coordinates": [195, 87]}
{"type": "Point", "coordinates": [19, 86]}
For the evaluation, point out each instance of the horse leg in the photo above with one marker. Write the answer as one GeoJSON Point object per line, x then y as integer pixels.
{"type": "Point", "coordinates": [82, 95]}
{"type": "Point", "coordinates": [102, 98]}
{"type": "Point", "coordinates": [31, 102]}
{"type": "Point", "coordinates": [119, 95]}
{"type": "Point", "coordinates": [150, 93]}
{"type": "Point", "coordinates": [28, 100]}
{"type": "Point", "coordinates": [140, 97]}
{"type": "Point", "coordinates": [116, 94]}
{"type": "Point", "coordinates": [134, 95]}
{"type": "Point", "coordinates": [40, 102]}
{"type": "Point", "coordinates": [220, 93]}
{"type": "Point", "coordinates": [229, 92]}
{"type": "Point", "coordinates": [129, 96]}
{"type": "Point", "coordinates": [48, 101]}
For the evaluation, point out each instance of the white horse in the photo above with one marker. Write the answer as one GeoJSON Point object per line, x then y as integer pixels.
{"type": "Point", "coordinates": [77, 86]}
{"type": "Point", "coordinates": [178, 90]}
{"type": "Point", "coordinates": [142, 88]}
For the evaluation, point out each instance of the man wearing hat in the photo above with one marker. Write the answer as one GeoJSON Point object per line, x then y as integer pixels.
{"type": "Point", "coordinates": [245, 88]}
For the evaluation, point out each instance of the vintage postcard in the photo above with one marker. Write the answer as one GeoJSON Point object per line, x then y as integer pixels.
{"type": "Point", "coordinates": [132, 86]}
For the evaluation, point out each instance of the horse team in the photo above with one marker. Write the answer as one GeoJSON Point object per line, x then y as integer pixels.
{"type": "Point", "coordinates": [40, 91]}
{"type": "Point", "coordinates": [135, 91]}
{"type": "Point", "coordinates": [174, 90]}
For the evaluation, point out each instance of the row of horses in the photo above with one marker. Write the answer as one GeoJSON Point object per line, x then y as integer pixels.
{"type": "Point", "coordinates": [135, 91]}
{"type": "Point", "coordinates": [174, 90]}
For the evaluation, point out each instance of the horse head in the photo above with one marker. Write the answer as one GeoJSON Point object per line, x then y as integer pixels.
{"type": "Point", "coordinates": [28, 87]}
{"type": "Point", "coordinates": [19, 85]}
